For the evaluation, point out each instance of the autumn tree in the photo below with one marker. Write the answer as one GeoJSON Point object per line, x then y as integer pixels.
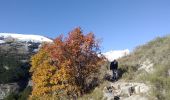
{"type": "Point", "coordinates": [62, 67]}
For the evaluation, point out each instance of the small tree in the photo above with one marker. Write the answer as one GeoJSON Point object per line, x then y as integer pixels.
{"type": "Point", "coordinates": [62, 67]}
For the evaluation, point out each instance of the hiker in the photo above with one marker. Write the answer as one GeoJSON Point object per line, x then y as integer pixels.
{"type": "Point", "coordinates": [114, 67]}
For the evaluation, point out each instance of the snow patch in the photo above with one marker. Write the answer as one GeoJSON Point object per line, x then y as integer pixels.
{"type": "Point", "coordinates": [115, 54]}
{"type": "Point", "coordinates": [24, 37]}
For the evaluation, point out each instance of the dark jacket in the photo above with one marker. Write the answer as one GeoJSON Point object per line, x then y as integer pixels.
{"type": "Point", "coordinates": [113, 65]}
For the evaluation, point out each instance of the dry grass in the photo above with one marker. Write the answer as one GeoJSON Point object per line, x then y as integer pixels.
{"type": "Point", "coordinates": [158, 52]}
{"type": "Point", "coordinates": [96, 94]}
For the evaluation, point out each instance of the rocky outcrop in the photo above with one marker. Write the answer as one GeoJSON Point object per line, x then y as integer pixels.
{"type": "Point", "coordinates": [6, 89]}
{"type": "Point", "coordinates": [14, 65]}
{"type": "Point", "coordinates": [147, 66]}
{"type": "Point", "coordinates": [30, 83]}
{"type": "Point", "coordinates": [126, 91]}
{"type": "Point", "coordinates": [169, 72]}
{"type": "Point", "coordinates": [135, 97]}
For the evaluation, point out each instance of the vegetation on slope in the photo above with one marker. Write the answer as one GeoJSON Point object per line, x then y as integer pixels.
{"type": "Point", "coordinates": [158, 53]}
{"type": "Point", "coordinates": [12, 69]}
{"type": "Point", "coordinates": [14, 66]}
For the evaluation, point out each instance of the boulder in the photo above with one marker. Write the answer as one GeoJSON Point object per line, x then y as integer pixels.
{"type": "Point", "coordinates": [135, 97]}
{"type": "Point", "coordinates": [147, 66]}
{"type": "Point", "coordinates": [126, 90]}
{"type": "Point", "coordinates": [6, 89]}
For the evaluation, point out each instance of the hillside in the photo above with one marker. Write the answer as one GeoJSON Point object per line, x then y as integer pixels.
{"type": "Point", "coordinates": [145, 74]}
{"type": "Point", "coordinates": [25, 37]}
{"type": "Point", "coordinates": [149, 63]}
{"type": "Point", "coordinates": [15, 53]}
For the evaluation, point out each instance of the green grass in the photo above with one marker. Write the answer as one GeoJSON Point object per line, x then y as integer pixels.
{"type": "Point", "coordinates": [96, 94]}
{"type": "Point", "coordinates": [160, 81]}
{"type": "Point", "coordinates": [158, 53]}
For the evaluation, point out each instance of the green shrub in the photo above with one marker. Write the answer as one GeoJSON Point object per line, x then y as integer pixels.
{"type": "Point", "coordinates": [23, 95]}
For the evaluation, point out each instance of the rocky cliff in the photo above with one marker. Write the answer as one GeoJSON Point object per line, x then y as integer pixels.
{"type": "Point", "coordinates": [15, 53]}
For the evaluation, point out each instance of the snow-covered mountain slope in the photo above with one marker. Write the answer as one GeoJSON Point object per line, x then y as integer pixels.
{"type": "Point", "coordinates": [115, 54]}
{"type": "Point", "coordinates": [24, 37]}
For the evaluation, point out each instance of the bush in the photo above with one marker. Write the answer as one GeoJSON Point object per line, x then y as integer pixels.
{"type": "Point", "coordinates": [66, 67]}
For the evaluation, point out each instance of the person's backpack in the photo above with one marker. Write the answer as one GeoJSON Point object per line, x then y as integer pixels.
{"type": "Point", "coordinates": [115, 65]}
{"type": "Point", "coordinates": [112, 65]}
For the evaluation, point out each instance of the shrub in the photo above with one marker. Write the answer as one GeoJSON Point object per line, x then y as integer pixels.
{"type": "Point", "coordinates": [63, 67]}
{"type": "Point", "coordinates": [25, 94]}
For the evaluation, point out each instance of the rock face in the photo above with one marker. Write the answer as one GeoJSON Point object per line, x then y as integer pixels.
{"type": "Point", "coordinates": [126, 91]}
{"type": "Point", "coordinates": [15, 53]}
{"type": "Point", "coordinates": [30, 83]}
{"type": "Point", "coordinates": [6, 89]}
{"type": "Point", "coordinates": [136, 97]}
{"type": "Point", "coordinates": [147, 66]}
{"type": "Point", "coordinates": [169, 72]}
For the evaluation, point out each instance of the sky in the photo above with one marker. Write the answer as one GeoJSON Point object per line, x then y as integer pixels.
{"type": "Point", "coordinates": [119, 24]}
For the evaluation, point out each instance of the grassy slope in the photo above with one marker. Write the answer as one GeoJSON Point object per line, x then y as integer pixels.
{"type": "Point", "coordinates": [158, 52]}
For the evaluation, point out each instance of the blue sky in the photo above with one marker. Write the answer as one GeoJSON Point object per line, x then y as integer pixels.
{"type": "Point", "coordinates": [120, 24]}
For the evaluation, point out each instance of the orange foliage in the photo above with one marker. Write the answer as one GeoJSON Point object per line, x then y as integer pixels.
{"type": "Point", "coordinates": [63, 66]}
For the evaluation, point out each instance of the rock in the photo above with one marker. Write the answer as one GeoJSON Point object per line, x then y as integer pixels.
{"type": "Point", "coordinates": [1, 41]}
{"type": "Point", "coordinates": [147, 66]}
{"type": "Point", "coordinates": [116, 98]}
{"type": "Point", "coordinates": [135, 97]}
{"type": "Point", "coordinates": [137, 89]}
{"type": "Point", "coordinates": [132, 87]}
{"type": "Point", "coordinates": [6, 89]}
{"type": "Point", "coordinates": [126, 90]}
{"type": "Point", "coordinates": [169, 72]}
{"type": "Point", "coordinates": [30, 83]}
{"type": "Point", "coordinates": [6, 67]}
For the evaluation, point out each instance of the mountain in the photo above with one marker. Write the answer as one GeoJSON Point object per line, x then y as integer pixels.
{"type": "Point", "coordinates": [24, 37]}
{"type": "Point", "coordinates": [115, 54]}
{"type": "Point", "coordinates": [15, 53]}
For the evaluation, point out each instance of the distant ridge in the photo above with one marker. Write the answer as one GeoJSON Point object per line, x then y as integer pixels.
{"type": "Point", "coordinates": [26, 37]}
